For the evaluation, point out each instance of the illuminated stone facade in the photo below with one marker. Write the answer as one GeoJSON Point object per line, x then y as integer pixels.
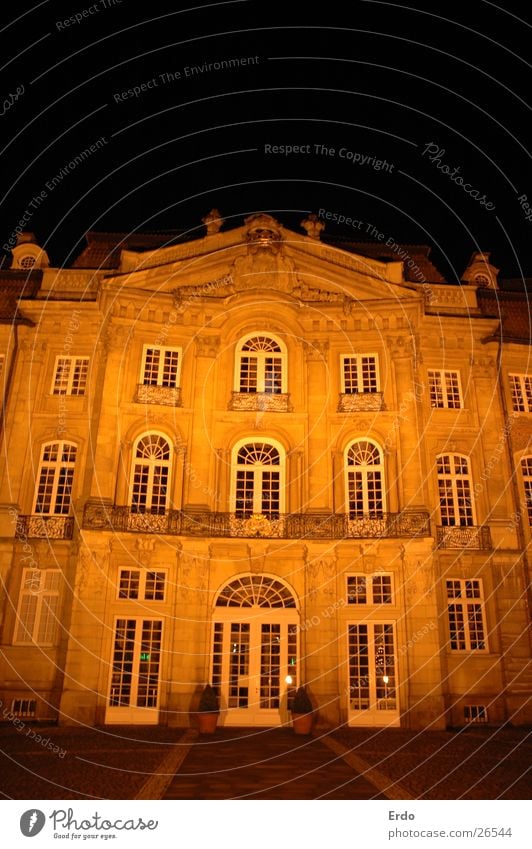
{"type": "Point", "coordinates": [262, 459]}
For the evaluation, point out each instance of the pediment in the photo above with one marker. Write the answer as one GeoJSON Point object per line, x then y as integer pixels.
{"type": "Point", "coordinates": [263, 256]}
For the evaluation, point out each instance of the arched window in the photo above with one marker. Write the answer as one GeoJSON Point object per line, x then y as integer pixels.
{"type": "Point", "coordinates": [454, 488]}
{"type": "Point", "coordinates": [56, 473]}
{"type": "Point", "coordinates": [258, 470]}
{"type": "Point", "coordinates": [365, 479]}
{"type": "Point", "coordinates": [260, 366]}
{"type": "Point", "coordinates": [526, 471]}
{"type": "Point", "coordinates": [150, 474]}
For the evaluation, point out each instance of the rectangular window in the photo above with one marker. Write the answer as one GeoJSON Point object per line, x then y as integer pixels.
{"type": "Point", "coordinates": [161, 366]}
{"type": "Point", "coordinates": [521, 389]}
{"type": "Point", "coordinates": [369, 589]}
{"type": "Point", "coordinates": [135, 584]}
{"type": "Point", "coordinates": [24, 707]}
{"type": "Point", "coordinates": [475, 713]}
{"type": "Point", "coordinates": [38, 607]}
{"type": "Point", "coordinates": [360, 374]}
{"type": "Point", "coordinates": [70, 376]}
{"type": "Point", "coordinates": [444, 388]}
{"type": "Point", "coordinates": [466, 615]}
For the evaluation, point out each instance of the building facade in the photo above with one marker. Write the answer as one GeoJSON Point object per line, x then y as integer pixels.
{"type": "Point", "coordinates": [261, 458]}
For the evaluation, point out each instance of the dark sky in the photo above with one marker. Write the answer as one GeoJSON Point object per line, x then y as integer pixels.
{"type": "Point", "coordinates": [391, 106]}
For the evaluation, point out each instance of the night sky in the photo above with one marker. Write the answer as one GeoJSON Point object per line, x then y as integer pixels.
{"type": "Point", "coordinates": [411, 121]}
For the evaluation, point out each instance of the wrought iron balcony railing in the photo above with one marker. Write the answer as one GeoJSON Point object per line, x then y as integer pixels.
{"type": "Point", "coordinates": [285, 526]}
{"type": "Point", "coordinates": [168, 396]}
{"type": "Point", "coordinates": [272, 402]}
{"type": "Point", "coordinates": [466, 536]}
{"type": "Point", "coordinates": [44, 527]}
{"type": "Point", "coordinates": [360, 402]}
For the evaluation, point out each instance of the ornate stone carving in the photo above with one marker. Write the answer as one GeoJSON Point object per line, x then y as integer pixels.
{"type": "Point", "coordinates": [45, 527]}
{"type": "Point", "coordinates": [401, 346]}
{"type": "Point", "coordinates": [168, 396]}
{"type": "Point", "coordinates": [260, 401]}
{"type": "Point", "coordinates": [360, 402]}
{"type": "Point", "coordinates": [207, 346]}
{"type": "Point", "coordinates": [221, 287]}
{"type": "Point", "coordinates": [313, 226]}
{"type": "Point", "coordinates": [213, 221]}
{"type": "Point", "coordinates": [478, 537]}
{"type": "Point", "coordinates": [262, 232]}
{"type": "Point", "coordinates": [317, 350]}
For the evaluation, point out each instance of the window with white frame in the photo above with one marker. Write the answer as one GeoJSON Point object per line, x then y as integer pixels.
{"type": "Point", "coordinates": [454, 487]}
{"type": "Point", "coordinates": [70, 375]}
{"type": "Point", "coordinates": [150, 474]}
{"type": "Point", "coordinates": [161, 366]}
{"type": "Point", "coordinates": [360, 373]}
{"type": "Point", "coordinates": [140, 585]}
{"type": "Point", "coordinates": [56, 474]}
{"type": "Point", "coordinates": [261, 365]}
{"type": "Point", "coordinates": [365, 479]}
{"type": "Point", "coordinates": [465, 610]}
{"type": "Point", "coordinates": [521, 389]}
{"type": "Point", "coordinates": [38, 607]}
{"type": "Point", "coordinates": [369, 589]}
{"type": "Point", "coordinates": [258, 471]}
{"type": "Point", "coordinates": [444, 389]}
{"type": "Point", "coordinates": [526, 471]}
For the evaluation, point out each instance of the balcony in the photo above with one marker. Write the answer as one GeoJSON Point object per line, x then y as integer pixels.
{"type": "Point", "coordinates": [285, 526]}
{"type": "Point", "coordinates": [44, 527]}
{"type": "Point", "coordinates": [360, 402]}
{"type": "Point", "coordinates": [266, 402]}
{"type": "Point", "coordinates": [462, 537]}
{"type": "Point", "coordinates": [168, 396]}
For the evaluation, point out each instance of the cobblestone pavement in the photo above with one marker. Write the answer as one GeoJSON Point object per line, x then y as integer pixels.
{"type": "Point", "coordinates": [127, 762]}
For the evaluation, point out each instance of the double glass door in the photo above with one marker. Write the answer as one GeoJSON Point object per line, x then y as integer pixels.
{"type": "Point", "coordinates": [255, 664]}
{"type": "Point", "coordinates": [372, 674]}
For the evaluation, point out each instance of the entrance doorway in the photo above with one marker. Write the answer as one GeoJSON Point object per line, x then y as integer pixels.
{"type": "Point", "coordinates": [255, 650]}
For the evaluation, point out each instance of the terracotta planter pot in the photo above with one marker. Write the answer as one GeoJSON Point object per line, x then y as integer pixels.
{"type": "Point", "coordinates": [207, 722]}
{"type": "Point", "coordinates": [302, 722]}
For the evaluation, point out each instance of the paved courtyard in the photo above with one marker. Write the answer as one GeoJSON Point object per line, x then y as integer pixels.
{"type": "Point", "coordinates": [154, 763]}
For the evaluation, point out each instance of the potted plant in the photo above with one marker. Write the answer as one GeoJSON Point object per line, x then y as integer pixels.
{"type": "Point", "coordinates": [208, 710]}
{"type": "Point", "coordinates": [302, 712]}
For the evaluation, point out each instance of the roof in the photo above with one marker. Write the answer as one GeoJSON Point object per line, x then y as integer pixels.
{"type": "Point", "coordinates": [420, 270]}
{"type": "Point", "coordinates": [14, 287]}
{"type": "Point", "coordinates": [513, 310]}
{"type": "Point", "coordinates": [103, 249]}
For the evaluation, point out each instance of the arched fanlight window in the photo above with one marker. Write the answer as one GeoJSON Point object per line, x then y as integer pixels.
{"type": "Point", "coordinates": [56, 474]}
{"type": "Point", "coordinates": [150, 474]}
{"type": "Point", "coordinates": [261, 365]}
{"type": "Point", "coordinates": [365, 479]}
{"type": "Point", "coordinates": [258, 480]}
{"type": "Point", "coordinates": [454, 488]}
{"type": "Point", "coordinates": [255, 590]}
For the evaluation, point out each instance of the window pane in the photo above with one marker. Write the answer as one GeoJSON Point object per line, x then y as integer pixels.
{"type": "Point", "coordinates": [151, 366]}
{"type": "Point", "coordinates": [248, 374]}
{"type": "Point", "coordinates": [356, 589]}
{"type": "Point", "coordinates": [129, 584]}
{"type": "Point", "coordinates": [350, 375]}
{"type": "Point", "coordinates": [244, 494]}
